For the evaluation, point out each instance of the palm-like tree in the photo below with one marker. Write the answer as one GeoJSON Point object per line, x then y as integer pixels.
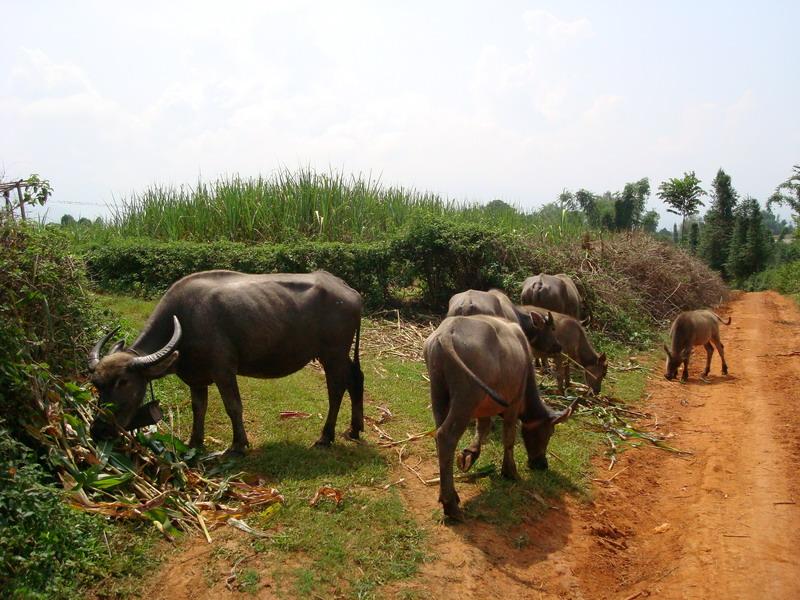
{"type": "Point", "coordinates": [682, 196]}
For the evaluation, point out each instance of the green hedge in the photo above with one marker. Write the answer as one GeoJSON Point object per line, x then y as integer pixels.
{"type": "Point", "coordinates": [435, 257]}
{"type": "Point", "coordinates": [784, 279]}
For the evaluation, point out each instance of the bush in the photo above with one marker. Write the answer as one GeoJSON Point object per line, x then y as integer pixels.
{"type": "Point", "coordinates": [631, 282]}
{"type": "Point", "coordinates": [784, 279]}
{"type": "Point", "coordinates": [47, 320]}
{"type": "Point", "coordinates": [46, 549]}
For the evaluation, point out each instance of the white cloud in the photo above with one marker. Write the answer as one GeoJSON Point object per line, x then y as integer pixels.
{"type": "Point", "coordinates": [546, 25]}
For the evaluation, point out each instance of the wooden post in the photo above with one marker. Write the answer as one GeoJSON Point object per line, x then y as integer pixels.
{"type": "Point", "coordinates": [8, 204]}
{"type": "Point", "coordinates": [21, 201]}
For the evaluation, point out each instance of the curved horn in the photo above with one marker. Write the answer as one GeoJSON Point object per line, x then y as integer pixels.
{"type": "Point", "coordinates": [120, 345]}
{"type": "Point", "coordinates": [151, 359]}
{"type": "Point", "coordinates": [565, 414]}
{"type": "Point", "coordinates": [94, 355]}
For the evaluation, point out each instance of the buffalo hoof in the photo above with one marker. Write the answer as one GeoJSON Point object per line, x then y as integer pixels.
{"type": "Point", "coordinates": [233, 453]}
{"type": "Point", "coordinates": [352, 434]}
{"type": "Point", "coordinates": [467, 458]}
{"type": "Point", "coordinates": [452, 512]}
{"type": "Point", "coordinates": [538, 464]}
{"type": "Point", "coordinates": [323, 443]}
{"type": "Point", "coordinates": [725, 370]}
{"type": "Point", "coordinates": [510, 473]}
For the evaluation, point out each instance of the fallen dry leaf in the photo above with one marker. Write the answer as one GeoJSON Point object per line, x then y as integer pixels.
{"type": "Point", "coordinates": [326, 492]}
{"type": "Point", "coordinates": [661, 528]}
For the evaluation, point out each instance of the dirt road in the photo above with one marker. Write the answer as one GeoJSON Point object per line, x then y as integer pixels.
{"type": "Point", "coordinates": [722, 522]}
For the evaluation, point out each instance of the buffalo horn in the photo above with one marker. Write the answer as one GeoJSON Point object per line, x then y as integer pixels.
{"type": "Point", "coordinates": [94, 355]}
{"type": "Point", "coordinates": [156, 357]}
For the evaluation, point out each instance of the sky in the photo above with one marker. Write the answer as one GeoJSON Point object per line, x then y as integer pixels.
{"type": "Point", "coordinates": [471, 100]}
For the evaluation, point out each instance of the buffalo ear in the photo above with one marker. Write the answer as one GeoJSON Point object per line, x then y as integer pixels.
{"type": "Point", "coordinates": [602, 358]}
{"type": "Point", "coordinates": [549, 318]}
{"type": "Point", "coordinates": [162, 368]}
{"type": "Point", "coordinates": [537, 319]}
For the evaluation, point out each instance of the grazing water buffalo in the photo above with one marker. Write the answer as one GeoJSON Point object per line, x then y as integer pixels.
{"type": "Point", "coordinates": [480, 366]}
{"type": "Point", "coordinates": [554, 292]}
{"type": "Point", "coordinates": [690, 329]}
{"type": "Point", "coordinates": [539, 329]}
{"type": "Point", "coordinates": [211, 326]}
{"type": "Point", "coordinates": [575, 344]}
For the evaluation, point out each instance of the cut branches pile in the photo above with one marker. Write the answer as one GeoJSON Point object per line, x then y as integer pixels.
{"type": "Point", "coordinates": [143, 476]}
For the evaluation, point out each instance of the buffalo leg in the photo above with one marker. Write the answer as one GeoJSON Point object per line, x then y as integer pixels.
{"type": "Point", "coordinates": [199, 406]}
{"type": "Point", "coordinates": [709, 353]}
{"type": "Point", "coordinates": [229, 390]}
{"type": "Point", "coordinates": [337, 373]}
{"type": "Point", "coordinates": [469, 455]}
{"type": "Point", "coordinates": [685, 374]}
{"type": "Point", "coordinates": [447, 437]}
{"type": "Point", "coordinates": [355, 388]}
{"type": "Point", "coordinates": [721, 349]}
{"type": "Point", "coordinates": [509, 469]}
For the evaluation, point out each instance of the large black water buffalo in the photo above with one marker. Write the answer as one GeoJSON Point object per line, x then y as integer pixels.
{"type": "Point", "coordinates": [212, 326]}
{"type": "Point", "coordinates": [480, 366]}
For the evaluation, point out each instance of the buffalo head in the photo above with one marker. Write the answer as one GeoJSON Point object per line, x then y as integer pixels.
{"type": "Point", "coordinates": [593, 374]}
{"type": "Point", "coordinates": [537, 433]}
{"type": "Point", "coordinates": [540, 331]}
{"type": "Point", "coordinates": [121, 378]}
{"type": "Point", "coordinates": [673, 362]}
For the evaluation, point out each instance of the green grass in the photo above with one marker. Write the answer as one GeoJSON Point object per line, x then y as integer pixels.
{"type": "Point", "coordinates": [304, 204]}
{"type": "Point", "coordinates": [371, 538]}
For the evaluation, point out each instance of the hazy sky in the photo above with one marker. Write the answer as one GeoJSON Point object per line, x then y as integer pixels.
{"type": "Point", "coordinates": [473, 100]}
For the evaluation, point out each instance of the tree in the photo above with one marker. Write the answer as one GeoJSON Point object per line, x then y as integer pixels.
{"type": "Point", "coordinates": [719, 223]}
{"type": "Point", "coordinates": [566, 200]}
{"type": "Point", "coordinates": [682, 196]}
{"type": "Point", "coordinates": [650, 221]}
{"type": "Point", "coordinates": [788, 193]}
{"type": "Point", "coordinates": [67, 220]}
{"type": "Point", "coordinates": [694, 237]}
{"type": "Point", "coordinates": [675, 237]}
{"type": "Point", "coordinates": [750, 249]}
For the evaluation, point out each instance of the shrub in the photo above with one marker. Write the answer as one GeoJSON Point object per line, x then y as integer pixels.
{"type": "Point", "coordinates": [46, 549]}
{"type": "Point", "coordinates": [47, 321]}
{"type": "Point", "coordinates": [631, 281]}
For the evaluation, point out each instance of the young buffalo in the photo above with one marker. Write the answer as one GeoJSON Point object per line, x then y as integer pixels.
{"type": "Point", "coordinates": [690, 329]}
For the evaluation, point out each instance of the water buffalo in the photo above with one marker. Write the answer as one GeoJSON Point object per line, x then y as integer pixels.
{"type": "Point", "coordinates": [690, 329]}
{"type": "Point", "coordinates": [211, 326]}
{"type": "Point", "coordinates": [480, 366]}
{"type": "Point", "coordinates": [554, 292]}
{"type": "Point", "coordinates": [539, 329]}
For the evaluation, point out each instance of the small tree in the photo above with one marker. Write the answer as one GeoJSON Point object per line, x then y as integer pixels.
{"type": "Point", "coordinates": [675, 238]}
{"type": "Point", "coordinates": [719, 222]}
{"type": "Point", "coordinates": [694, 237]}
{"type": "Point", "coordinates": [650, 221]}
{"type": "Point", "coordinates": [682, 196]}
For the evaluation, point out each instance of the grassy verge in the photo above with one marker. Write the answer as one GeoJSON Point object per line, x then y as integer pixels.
{"type": "Point", "coordinates": [371, 538]}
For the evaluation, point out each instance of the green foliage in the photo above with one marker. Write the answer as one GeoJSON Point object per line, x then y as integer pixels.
{"type": "Point", "coordinates": [751, 243]}
{"type": "Point", "coordinates": [288, 206]}
{"type": "Point", "coordinates": [694, 237]}
{"type": "Point", "coordinates": [682, 196]}
{"type": "Point", "coordinates": [788, 192]}
{"type": "Point", "coordinates": [719, 223]}
{"type": "Point", "coordinates": [47, 321]}
{"type": "Point", "coordinates": [650, 221]}
{"type": "Point", "coordinates": [784, 278]}
{"type": "Point", "coordinates": [47, 549]}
